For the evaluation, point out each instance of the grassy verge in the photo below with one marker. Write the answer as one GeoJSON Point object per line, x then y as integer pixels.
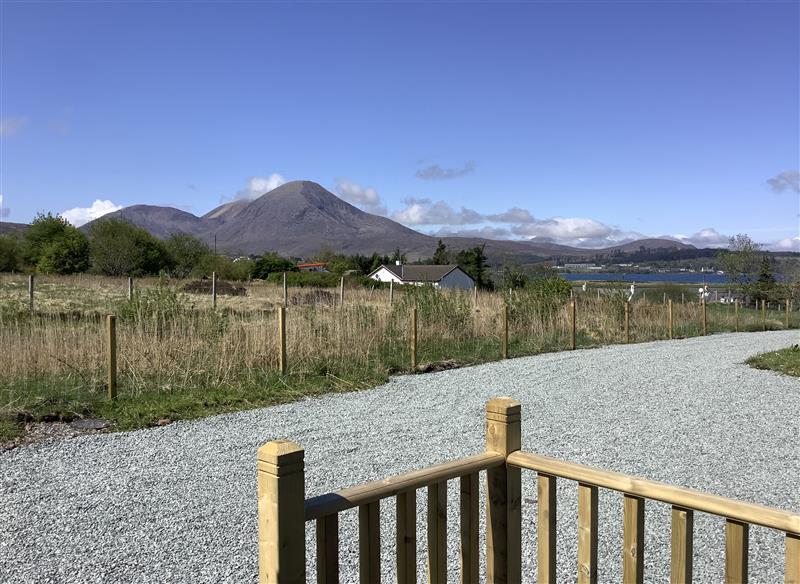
{"type": "Point", "coordinates": [786, 361]}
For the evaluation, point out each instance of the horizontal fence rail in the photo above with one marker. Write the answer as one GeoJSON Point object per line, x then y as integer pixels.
{"type": "Point", "coordinates": [283, 512]}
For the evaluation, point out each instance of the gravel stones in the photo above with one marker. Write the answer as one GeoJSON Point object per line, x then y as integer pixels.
{"type": "Point", "coordinates": [178, 503]}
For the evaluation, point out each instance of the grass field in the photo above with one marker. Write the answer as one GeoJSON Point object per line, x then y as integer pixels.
{"type": "Point", "coordinates": [178, 358]}
{"type": "Point", "coordinates": [786, 361]}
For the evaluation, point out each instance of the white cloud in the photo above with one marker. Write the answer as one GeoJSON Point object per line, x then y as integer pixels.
{"type": "Point", "coordinates": [10, 126]}
{"type": "Point", "coordinates": [707, 237]}
{"type": "Point", "coordinates": [513, 215]}
{"type": "Point", "coordinates": [436, 172]}
{"type": "Point", "coordinates": [426, 212]}
{"type": "Point", "coordinates": [487, 232]}
{"type": "Point", "coordinates": [259, 185]}
{"type": "Point", "coordinates": [366, 198]}
{"type": "Point", "coordinates": [785, 244]}
{"type": "Point", "coordinates": [788, 180]}
{"type": "Point", "coordinates": [80, 215]}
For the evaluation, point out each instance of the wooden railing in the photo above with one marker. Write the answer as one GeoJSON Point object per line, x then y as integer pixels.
{"type": "Point", "coordinates": [283, 512]}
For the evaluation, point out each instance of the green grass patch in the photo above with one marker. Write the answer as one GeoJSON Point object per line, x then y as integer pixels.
{"type": "Point", "coordinates": [786, 361]}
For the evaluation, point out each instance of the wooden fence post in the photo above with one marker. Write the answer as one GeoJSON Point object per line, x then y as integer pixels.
{"type": "Point", "coordinates": [504, 338]}
{"type": "Point", "coordinates": [341, 292]}
{"type": "Point", "coordinates": [281, 513]}
{"type": "Point", "coordinates": [130, 288]}
{"type": "Point", "coordinates": [736, 314]}
{"type": "Point", "coordinates": [627, 323]}
{"type": "Point", "coordinates": [391, 292]}
{"type": "Point", "coordinates": [282, 364]}
{"type": "Point", "coordinates": [414, 339]}
{"type": "Point", "coordinates": [285, 292]}
{"type": "Point", "coordinates": [111, 330]}
{"type": "Point", "coordinates": [503, 517]}
{"type": "Point", "coordinates": [669, 317]}
{"type": "Point", "coordinates": [475, 296]}
{"type": "Point", "coordinates": [763, 314]}
{"type": "Point", "coordinates": [30, 293]}
{"type": "Point", "coordinates": [787, 313]}
{"type": "Point", "coordinates": [214, 290]}
{"type": "Point", "coordinates": [705, 317]}
{"type": "Point", "coordinates": [573, 313]}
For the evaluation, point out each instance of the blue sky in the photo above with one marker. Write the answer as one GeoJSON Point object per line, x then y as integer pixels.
{"type": "Point", "coordinates": [593, 122]}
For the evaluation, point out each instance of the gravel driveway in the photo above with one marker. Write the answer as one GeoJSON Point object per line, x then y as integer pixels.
{"type": "Point", "coordinates": [178, 503]}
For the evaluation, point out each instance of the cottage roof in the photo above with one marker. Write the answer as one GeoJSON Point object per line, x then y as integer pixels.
{"type": "Point", "coordinates": [420, 273]}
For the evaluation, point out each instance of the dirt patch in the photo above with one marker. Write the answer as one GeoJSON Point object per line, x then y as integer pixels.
{"type": "Point", "coordinates": [35, 432]}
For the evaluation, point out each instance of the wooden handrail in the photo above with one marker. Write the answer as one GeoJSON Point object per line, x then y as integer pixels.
{"type": "Point", "coordinates": [678, 496]}
{"type": "Point", "coordinates": [323, 505]}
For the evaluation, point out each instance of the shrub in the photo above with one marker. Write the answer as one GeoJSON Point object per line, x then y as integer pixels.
{"type": "Point", "coordinates": [119, 248]}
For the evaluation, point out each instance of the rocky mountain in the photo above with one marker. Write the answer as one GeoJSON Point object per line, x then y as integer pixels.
{"type": "Point", "coordinates": [301, 218]}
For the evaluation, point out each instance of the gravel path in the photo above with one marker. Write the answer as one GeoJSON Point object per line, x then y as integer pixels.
{"type": "Point", "coordinates": [177, 504]}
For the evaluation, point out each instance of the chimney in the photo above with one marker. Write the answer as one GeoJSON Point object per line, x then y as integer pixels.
{"type": "Point", "coordinates": [398, 263]}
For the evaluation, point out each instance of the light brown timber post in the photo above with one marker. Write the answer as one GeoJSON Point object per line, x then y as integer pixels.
{"type": "Point", "coordinates": [705, 317]}
{"type": "Point", "coordinates": [130, 288]}
{"type": "Point", "coordinates": [282, 365]}
{"type": "Point", "coordinates": [503, 517]}
{"type": "Point", "coordinates": [475, 296]}
{"type": "Point", "coordinates": [682, 546]}
{"type": "Point", "coordinates": [281, 513]}
{"type": "Point", "coordinates": [30, 293]}
{"type": "Point", "coordinates": [414, 339]}
{"type": "Point", "coordinates": [736, 314]}
{"type": "Point", "coordinates": [787, 313]}
{"type": "Point", "coordinates": [111, 330]}
{"type": "Point", "coordinates": [669, 317]}
{"type": "Point", "coordinates": [627, 323]}
{"type": "Point", "coordinates": [792, 568]}
{"type": "Point", "coordinates": [391, 292]}
{"type": "Point", "coordinates": [214, 290]}
{"type": "Point", "coordinates": [737, 544]}
{"type": "Point", "coordinates": [573, 313]}
{"type": "Point", "coordinates": [763, 314]}
{"type": "Point", "coordinates": [285, 292]}
{"type": "Point", "coordinates": [504, 338]}
{"type": "Point", "coordinates": [341, 292]}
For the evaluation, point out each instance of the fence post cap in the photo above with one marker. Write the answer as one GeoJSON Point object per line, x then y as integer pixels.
{"type": "Point", "coordinates": [503, 405]}
{"type": "Point", "coordinates": [280, 452]}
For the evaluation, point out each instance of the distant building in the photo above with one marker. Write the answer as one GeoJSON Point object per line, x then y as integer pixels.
{"type": "Point", "coordinates": [314, 267]}
{"type": "Point", "coordinates": [437, 276]}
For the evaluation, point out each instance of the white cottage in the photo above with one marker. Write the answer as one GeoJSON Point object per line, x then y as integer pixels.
{"type": "Point", "coordinates": [437, 276]}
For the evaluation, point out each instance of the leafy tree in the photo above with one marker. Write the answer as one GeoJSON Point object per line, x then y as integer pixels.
{"type": "Point", "coordinates": [118, 248]}
{"type": "Point", "coordinates": [473, 262]}
{"type": "Point", "coordinates": [441, 256]}
{"type": "Point", "coordinates": [52, 245]}
{"type": "Point", "coordinates": [10, 253]}
{"type": "Point", "coordinates": [765, 287]}
{"type": "Point", "coordinates": [66, 254]}
{"type": "Point", "coordinates": [186, 252]}
{"type": "Point", "coordinates": [376, 261]}
{"type": "Point", "coordinates": [741, 260]}
{"type": "Point", "coordinates": [513, 278]}
{"type": "Point", "coordinates": [270, 263]}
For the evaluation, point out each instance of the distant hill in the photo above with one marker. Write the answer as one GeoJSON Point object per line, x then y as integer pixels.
{"type": "Point", "coordinates": [301, 218]}
{"type": "Point", "coordinates": [7, 228]}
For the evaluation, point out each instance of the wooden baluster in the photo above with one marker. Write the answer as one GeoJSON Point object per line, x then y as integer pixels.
{"type": "Point", "coordinates": [546, 529]}
{"type": "Point", "coordinates": [587, 534]}
{"type": "Point", "coordinates": [633, 541]}
{"type": "Point", "coordinates": [407, 537]}
{"type": "Point", "coordinates": [328, 550]}
{"type": "Point", "coordinates": [437, 533]}
{"type": "Point", "coordinates": [504, 494]}
{"type": "Point", "coordinates": [682, 546]}
{"type": "Point", "coordinates": [737, 540]}
{"type": "Point", "coordinates": [470, 516]}
{"type": "Point", "coordinates": [792, 570]}
{"type": "Point", "coordinates": [369, 543]}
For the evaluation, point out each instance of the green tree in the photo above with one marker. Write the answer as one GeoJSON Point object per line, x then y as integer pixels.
{"type": "Point", "coordinates": [52, 245]}
{"type": "Point", "coordinates": [66, 254]}
{"type": "Point", "coordinates": [473, 262]}
{"type": "Point", "coordinates": [186, 253]}
{"type": "Point", "coordinates": [118, 248]}
{"type": "Point", "coordinates": [513, 278]}
{"type": "Point", "coordinates": [270, 263]}
{"type": "Point", "coordinates": [396, 256]}
{"type": "Point", "coordinates": [10, 253]}
{"type": "Point", "coordinates": [441, 256]}
{"type": "Point", "coordinates": [765, 286]}
{"type": "Point", "coordinates": [741, 260]}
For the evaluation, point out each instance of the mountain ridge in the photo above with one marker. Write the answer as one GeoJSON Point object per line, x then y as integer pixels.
{"type": "Point", "coordinates": [302, 218]}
